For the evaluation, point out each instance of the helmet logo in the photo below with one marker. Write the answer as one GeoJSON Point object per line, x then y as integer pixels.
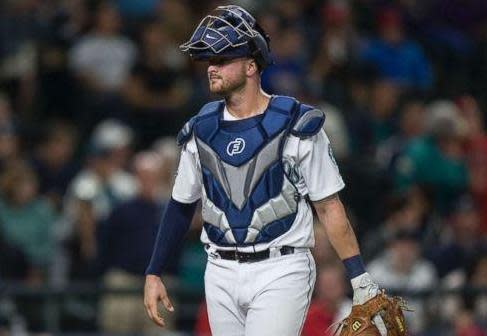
{"type": "Point", "coordinates": [236, 146]}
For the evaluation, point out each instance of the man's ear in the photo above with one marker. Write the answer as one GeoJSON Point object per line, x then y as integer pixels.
{"type": "Point", "coordinates": [252, 67]}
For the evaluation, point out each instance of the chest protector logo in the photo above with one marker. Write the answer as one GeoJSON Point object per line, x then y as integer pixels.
{"type": "Point", "coordinates": [236, 146]}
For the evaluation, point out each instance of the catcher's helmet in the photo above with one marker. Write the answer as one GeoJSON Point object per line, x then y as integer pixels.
{"type": "Point", "coordinates": [230, 32]}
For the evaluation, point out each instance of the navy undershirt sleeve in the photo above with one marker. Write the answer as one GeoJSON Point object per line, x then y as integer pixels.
{"type": "Point", "coordinates": [175, 223]}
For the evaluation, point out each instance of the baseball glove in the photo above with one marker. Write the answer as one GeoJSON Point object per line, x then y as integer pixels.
{"type": "Point", "coordinates": [359, 322]}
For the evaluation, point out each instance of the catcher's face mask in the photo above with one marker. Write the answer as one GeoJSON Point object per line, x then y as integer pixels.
{"type": "Point", "coordinates": [229, 32]}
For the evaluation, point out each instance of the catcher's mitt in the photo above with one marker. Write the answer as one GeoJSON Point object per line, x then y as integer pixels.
{"type": "Point", "coordinates": [359, 322]}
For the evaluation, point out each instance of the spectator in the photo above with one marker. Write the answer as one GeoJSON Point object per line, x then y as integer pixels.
{"type": "Point", "coordinates": [98, 187]}
{"type": "Point", "coordinates": [202, 325]}
{"type": "Point", "coordinates": [357, 108]}
{"type": "Point", "coordinates": [466, 326]}
{"type": "Point", "coordinates": [115, 138]}
{"type": "Point", "coordinates": [437, 159]}
{"type": "Point", "coordinates": [54, 162]}
{"type": "Point", "coordinates": [401, 266]}
{"type": "Point", "coordinates": [27, 220]}
{"type": "Point", "coordinates": [331, 63]}
{"type": "Point", "coordinates": [397, 58]}
{"type": "Point", "coordinates": [405, 211]}
{"type": "Point", "coordinates": [63, 24]}
{"type": "Point", "coordinates": [371, 120]}
{"type": "Point", "coordinates": [384, 102]}
{"type": "Point", "coordinates": [125, 243]}
{"type": "Point", "coordinates": [101, 185]}
{"type": "Point", "coordinates": [156, 89]}
{"type": "Point", "coordinates": [330, 303]}
{"type": "Point", "coordinates": [411, 126]}
{"type": "Point", "coordinates": [461, 239]}
{"type": "Point", "coordinates": [102, 61]}
{"type": "Point", "coordinates": [476, 149]}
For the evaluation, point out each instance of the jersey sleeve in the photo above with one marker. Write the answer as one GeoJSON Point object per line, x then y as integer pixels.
{"type": "Point", "coordinates": [318, 167]}
{"type": "Point", "coordinates": [187, 185]}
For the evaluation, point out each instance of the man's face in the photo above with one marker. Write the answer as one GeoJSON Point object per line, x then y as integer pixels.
{"type": "Point", "coordinates": [405, 253]}
{"type": "Point", "coordinates": [226, 75]}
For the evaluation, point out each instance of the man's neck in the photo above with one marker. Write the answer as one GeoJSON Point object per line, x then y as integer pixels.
{"type": "Point", "coordinates": [247, 102]}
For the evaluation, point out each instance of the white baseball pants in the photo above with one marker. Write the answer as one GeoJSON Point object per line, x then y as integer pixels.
{"type": "Point", "coordinates": [264, 298]}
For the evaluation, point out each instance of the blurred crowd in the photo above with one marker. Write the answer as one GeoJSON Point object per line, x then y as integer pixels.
{"type": "Point", "coordinates": [92, 94]}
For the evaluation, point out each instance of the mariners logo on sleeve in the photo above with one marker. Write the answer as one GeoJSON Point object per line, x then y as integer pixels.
{"type": "Point", "coordinates": [291, 170]}
{"type": "Point", "coordinates": [236, 146]}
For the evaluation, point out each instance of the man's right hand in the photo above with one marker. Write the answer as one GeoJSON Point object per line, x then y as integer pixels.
{"type": "Point", "coordinates": [155, 291]}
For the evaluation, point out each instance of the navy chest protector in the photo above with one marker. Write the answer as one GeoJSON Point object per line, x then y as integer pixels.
{"type": "Point", "coordinates": [247, 197]}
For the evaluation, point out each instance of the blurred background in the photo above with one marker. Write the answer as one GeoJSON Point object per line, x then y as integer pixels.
{"type": "Point", "coordinates": [92, 94]}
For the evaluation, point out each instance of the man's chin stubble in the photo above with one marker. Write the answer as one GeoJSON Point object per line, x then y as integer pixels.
{"type": "Point", "coordinates": [218, 91]}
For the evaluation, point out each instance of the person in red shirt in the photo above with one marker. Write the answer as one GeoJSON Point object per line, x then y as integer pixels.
{"type": "Point", "coordinates": [330, 303]}
{"type": "Point", "coordinates": [476, 149]}
{"type": "Point", "coordinates": [202, 324]}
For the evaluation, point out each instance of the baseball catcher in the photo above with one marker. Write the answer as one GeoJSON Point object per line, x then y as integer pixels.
{"type": "Point", "coordinates": [258, 163]}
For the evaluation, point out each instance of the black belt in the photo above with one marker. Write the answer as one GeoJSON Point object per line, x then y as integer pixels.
{"type": "Point", "coordinates": [248, 257]}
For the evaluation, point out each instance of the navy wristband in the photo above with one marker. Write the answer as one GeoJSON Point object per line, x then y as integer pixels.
{"type": "Point", "coordinates": [175, 223]}
{"type": "Point", "coordinates": [354, 266]}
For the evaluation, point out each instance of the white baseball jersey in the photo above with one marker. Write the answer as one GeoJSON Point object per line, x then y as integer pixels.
{"type": "Point", "coordinates": [311, 159]}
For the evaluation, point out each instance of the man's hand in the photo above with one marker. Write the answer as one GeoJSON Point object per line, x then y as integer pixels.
{"type": "Point", "coordinates": [364, 289]}
{"type": "Point", "coordinates": [155, 291]}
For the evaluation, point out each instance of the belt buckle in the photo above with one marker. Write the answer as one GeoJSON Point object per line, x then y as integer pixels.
{"type": "Point", "coordinates": [240, 257]}
{"type": "Point", "coordinates": [243, 257]}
